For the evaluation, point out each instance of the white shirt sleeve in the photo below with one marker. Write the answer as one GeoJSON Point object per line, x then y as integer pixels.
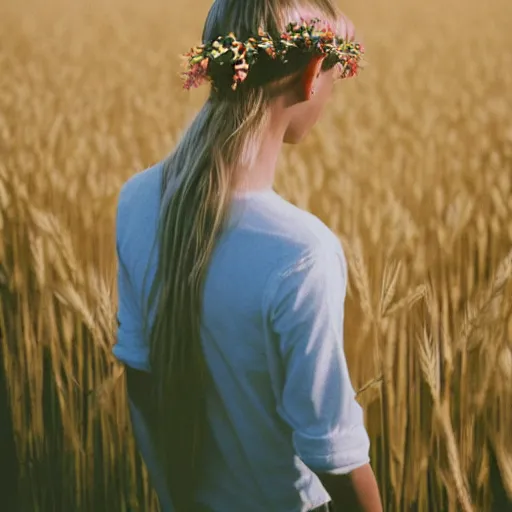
{"type": "Point", "coordinates": [130, 347]}
{"type": "Point", "coordinates": [317, 398]}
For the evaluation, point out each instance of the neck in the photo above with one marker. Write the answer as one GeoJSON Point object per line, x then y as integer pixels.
{"type": "Point", "coordinates": [261, 173]}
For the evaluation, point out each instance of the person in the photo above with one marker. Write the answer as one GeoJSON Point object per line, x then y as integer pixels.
{"type": "Point", "coordinates": [230, 314]}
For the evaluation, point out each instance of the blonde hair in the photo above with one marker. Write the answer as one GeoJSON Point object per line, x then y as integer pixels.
{"type": "Point", "coordinates": [197, 185]}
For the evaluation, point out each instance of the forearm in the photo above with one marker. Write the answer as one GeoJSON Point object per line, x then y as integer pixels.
{"type": "Point", "coordinates": [356, 491]}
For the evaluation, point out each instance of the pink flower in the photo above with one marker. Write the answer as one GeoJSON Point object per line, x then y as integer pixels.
{"type": "Point", "coordinates": [196, 76]}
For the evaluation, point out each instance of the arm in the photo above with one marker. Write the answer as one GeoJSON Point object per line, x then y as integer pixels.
{"type": "Point", "coordinates": [130, 350]}
{"type": "Point", "coordinates": [355, 491]}
{"type": "Point", "coordinates": [317, 399]}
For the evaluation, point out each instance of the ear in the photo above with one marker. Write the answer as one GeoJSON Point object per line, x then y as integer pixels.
{"type": "Point", "coordinates": [311, 74]}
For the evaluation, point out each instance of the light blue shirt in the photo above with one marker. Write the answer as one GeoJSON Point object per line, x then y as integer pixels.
{"type": "Point", "coordinates": [280, 404]}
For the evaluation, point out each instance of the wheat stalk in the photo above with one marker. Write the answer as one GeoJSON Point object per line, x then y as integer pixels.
{"type": "Point", "coordinates": [410, 171]}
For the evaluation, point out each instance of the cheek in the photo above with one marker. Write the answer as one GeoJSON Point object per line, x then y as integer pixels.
{"type": "Point", "coordinates": [308, 113]}
{"type": "Point", "coordinates": [324, 96]}
{"type": "Point", "coordinates": [294, 134]}
{"type": "Point", "coordinates": [326, 86]}
{"type": "Point", "coordinates": [301, 123]}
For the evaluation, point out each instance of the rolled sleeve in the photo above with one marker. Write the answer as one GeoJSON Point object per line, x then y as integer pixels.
{"type": "Point", "coordinates": [317, 398]}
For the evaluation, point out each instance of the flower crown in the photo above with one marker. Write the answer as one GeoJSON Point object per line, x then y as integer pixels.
{"type": "Point", "coordinates": [238, 57]}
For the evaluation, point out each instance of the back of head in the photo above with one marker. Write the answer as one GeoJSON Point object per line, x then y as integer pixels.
{"type": "Point", "coordinates": [198, 180]}
{"type": "Point", "coordinates": [247, 18]}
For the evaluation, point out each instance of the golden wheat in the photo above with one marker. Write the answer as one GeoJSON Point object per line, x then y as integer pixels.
{"type": "Point", "coordinates": [411, 166]}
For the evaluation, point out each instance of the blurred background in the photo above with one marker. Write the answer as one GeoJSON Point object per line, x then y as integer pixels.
{"type": "Point", "coordinates": [411, 166]}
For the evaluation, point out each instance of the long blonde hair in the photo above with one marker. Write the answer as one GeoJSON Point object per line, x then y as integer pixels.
{"type": "Point", "coordinates": [197, 184]}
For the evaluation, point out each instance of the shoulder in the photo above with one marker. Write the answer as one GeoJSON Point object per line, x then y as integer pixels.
{"type": "Point", "coordinates": [317, 276]}
{"type": "Point", "coordinates": [138, 198]}
{"type": "Point", "coordinates": [309, 251]}
{"type": "Point", "coordinates": [140, 185]}
{"type": "Point", "coordinates": [306, 235]}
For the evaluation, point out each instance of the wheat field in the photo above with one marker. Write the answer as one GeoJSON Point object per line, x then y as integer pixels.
{"type": "Point", "coordinates": [411, 166]}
